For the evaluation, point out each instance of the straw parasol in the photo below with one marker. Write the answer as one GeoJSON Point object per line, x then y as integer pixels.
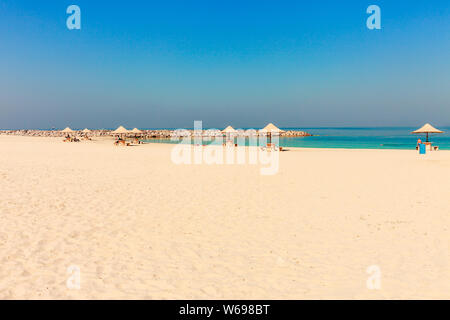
{"type": "Point", "coordinates": [269, 130]}
{"type": "Point", "coordinates": [68, 131]}
{"type": "Point", "coordinates": [86, 131]}
{"type": "Point", "coordinates": [136, 131]}
{"type": "Point", "coordinates": [229, 131]}
{"type": "Point", "coordinates": [427, 129]}
{"type": "Point", "coordinates": [120, 131]}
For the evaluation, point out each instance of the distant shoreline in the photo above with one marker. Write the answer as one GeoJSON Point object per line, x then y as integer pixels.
{"type": "Point", "coordinates": [146, 134]}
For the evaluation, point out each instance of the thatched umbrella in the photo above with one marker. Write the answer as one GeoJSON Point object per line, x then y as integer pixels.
{"type": "Point", "coordinates": [86, 132]}
{"type": "Point", "coordinates": [271, 129]}
{"type": "Point", "coordinates": [229, 131]}
{"type": "Point", "coordinates": [136, 131]}
{"type": "Point", "coordinates": [68, 131]}
{"type": "Point", "coordinates": [120, 131]}
{"type": "Point", "coordinates": [427, 129]}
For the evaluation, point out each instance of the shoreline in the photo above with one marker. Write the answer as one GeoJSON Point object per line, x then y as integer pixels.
{"type": "Point", "coordinates": [111, 139]}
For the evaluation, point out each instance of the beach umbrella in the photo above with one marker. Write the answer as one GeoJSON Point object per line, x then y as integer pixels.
{"type": "Point", "coordinates": [136, 131]}
{"type": "Point", "coordinates": [67, 130]}
{"type": "Point", "coordinates": [427, 129]}
{"type": "Point", "coordinates": [86, 132]}
{"type": "Point", "coordinates": [229, 131]}
{"type": "Point", "coordinates": [271, 129]}
{"type": "Point", "coordinates": [120, 131]}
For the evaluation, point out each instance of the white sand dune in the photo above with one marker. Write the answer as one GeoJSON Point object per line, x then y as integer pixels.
{"type": "Point", "coordinates": [139, 226]}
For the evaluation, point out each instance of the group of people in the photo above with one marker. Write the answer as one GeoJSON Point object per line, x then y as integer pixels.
{"type": "Point", "coordinates": [68, 138]}
{"type": "Point", "coordinates": [122, 141]}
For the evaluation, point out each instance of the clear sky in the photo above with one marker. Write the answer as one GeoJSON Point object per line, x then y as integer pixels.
{"type": "Point", "coordinates": [154, 64]}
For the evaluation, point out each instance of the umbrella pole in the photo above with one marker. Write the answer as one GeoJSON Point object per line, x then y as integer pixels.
{"type": "Point", "coordinates": [427, 136]}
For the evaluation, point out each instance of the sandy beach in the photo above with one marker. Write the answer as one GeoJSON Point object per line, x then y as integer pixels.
{"type": "Point", "coordinates": [138, 226]}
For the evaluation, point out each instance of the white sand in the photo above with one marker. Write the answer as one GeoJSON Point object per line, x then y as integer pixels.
{"type": "Point", "coordinates": [139, 226]}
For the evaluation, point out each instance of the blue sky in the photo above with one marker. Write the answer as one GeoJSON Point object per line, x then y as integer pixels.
{"type": "Point", "coordinates": [167, 63]}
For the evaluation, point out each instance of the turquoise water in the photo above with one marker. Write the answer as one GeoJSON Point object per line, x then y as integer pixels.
{"type": "Point", "coordinates": [366, 138]}
{"type": "Point", "coordinates": [356, 138]}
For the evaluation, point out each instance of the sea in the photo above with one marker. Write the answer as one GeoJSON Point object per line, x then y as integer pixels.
{"type": "Point", "coordinates": [353, 138]}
